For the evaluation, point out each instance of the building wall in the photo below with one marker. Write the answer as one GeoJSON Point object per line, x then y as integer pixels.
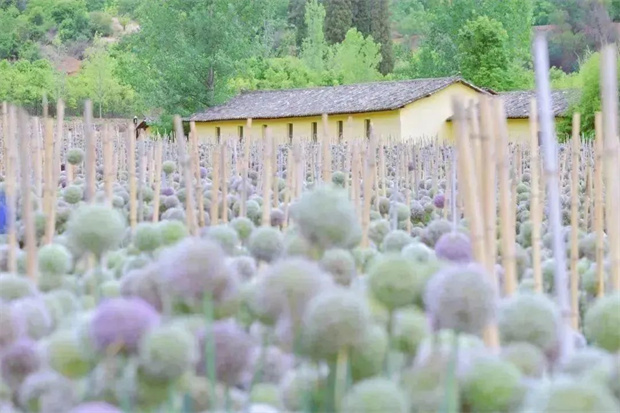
{"type": "Point", "coordinates": [427, 117]}
{"type": "Point", "coordinates": [519, 130]}
{"type": "Point", "coordinates": [386, 124]}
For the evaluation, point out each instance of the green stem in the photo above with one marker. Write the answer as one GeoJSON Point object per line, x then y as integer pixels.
{"type": "Point", "coordinates": [451, 400]}
{"type": "Point", "coordinates": [209, 343]}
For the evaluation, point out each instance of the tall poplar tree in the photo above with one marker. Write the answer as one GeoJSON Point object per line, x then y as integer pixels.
{"type": "Point", "coordinates": [381, 33]}
{"type": "Point", "coordinates": [338, 20]}
{"type": "Point", "coordinates": [361, 15]}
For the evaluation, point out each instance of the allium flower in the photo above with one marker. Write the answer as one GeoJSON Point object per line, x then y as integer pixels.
{"type": "Point", "coordinates": [224, 235]}
{"type": "Point", "coordinates": [37, 318]}
{"type": "Point", "coordinates": [46, 392]}
{"type": "Point", "coordinates": [11, 325]}
{"type": "Point", "coordinates": [340, 264]}
{"type": "Point", "coordinates": [167, 352]}
{"type": "Point", "coordinates": [18, 361]}
{"type": "Point", "coordinates": [75, 156]}
{"type": "Point", "coordinates": [122, 322]}
{"type": "Point", "coordinates": [439, 201]}
{"type": "Point", "coordinates": [14, 286]}
{"type": "Point", "coordinates": [147, 237]}
{"type": "Point", "coordinates": [491, 385]}
{"type": "Point", "coordinates": [96, 228]}
{"type": "Point", "coordinates": [583, 360]}
{"type": "Point", "coordinates": [73, 194]}
{"type": "Point", "coordinates": [378, 230]}
{"type": "Point", "coordinates": [276, 218]}
{"type": "Point", "coordinates": [193, 268]}
{"type": "Point", "coordinates": [455, 247]}
{"type": "Point", "coordinates": [569, 395]}
{"type": "Point", "coordinates": [435, 230]}
{"type": "Point", "coordinates": [232, 351]}
{"type": "Point", "coordinates": [299, 386]}
{"type": "Point", "coordinates": [54, 259]}
{"type": "Point", "coordinates": [528, 358]}
{"type": "Point", "coordinates": [418, 251]}
{"type": "Point", "coordinates": [172, 231]}
{"type": "Point", "coordinates": [65, 354]}
{"type": "Point", "coordinates": [95, 407]}
{"type": "Point", "coordinates": [266, 244]}
{"type": "Point", "coordinates": [243, 226]}
{"type": "Point", "coordinates": [243, 265]}
{"type": "Point", "coordinates": [410, 327]}
{"type": "Point", "coordinates": [367, 357]}
{"type": "Point", "coordinates": [601, 322]}
{"type": "Point", "coordinates": [334, 319]}
{"type": "Point", "coordinates": [396, 240]}
{"type": "Point", "coordinates": [460, 298]}
{"type": "Point", "coordinates": [275, 363]}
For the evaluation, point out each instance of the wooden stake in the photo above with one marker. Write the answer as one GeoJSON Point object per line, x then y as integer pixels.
{"type": "Point", "coordinates": [599, 223]}
{"type": "Point", "coordinates": [131, 166]}
{"type": "Point", "coordinates": [215, 181]}
{"type": "Point", "coordinates": [157, 179]}
{"type": "Point", "coordinates": [535, 204]}
{"type": "Point", "coordinates": [574, 220]}
{"type": "Point", "coordinates": [90, 162]}
{"type": "Point", "coordinates": [50, 183]}
{"type": "Point", "coordinates": [225, 169]}
{"type": "Point", "coordinates": [108, 171]}
{"type": "Point", "coordinates": [10, 188]}
{"type": "Point", "coordinates": [35, 147]}
{"type": "Point", "coordinates": [184, 161]}
{"type": "Point", "coordinates": [327, 162]}
{"type": "Point", "coordinates": [267, 168]}
{"type": "Point", "coordinates": [26, 195]}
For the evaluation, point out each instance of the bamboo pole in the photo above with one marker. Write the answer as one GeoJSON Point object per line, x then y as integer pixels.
{"type": "Point", "coordinates": [535, 205]}
{"type": "Point", "coordinates": [195, 150]}
{"type": "Point", "coordinates": [90, 156]}
{"type": "Point", "coordinates": [599, 218]}
{"type": "Point", "coordinates": [327, 163]}
{"type": "Point", "coordinates": [157, 179]}
{"type": "Point", "coordinates": [10, 188]}
{"type": "Point", "coordinates": [49, 200]}
{"type": "Point", "coordinates": [35, 147]}
{"type": "Point", "coordinates": [547, 127]}
{"type": "Point", "coordinates": [368, 174]}
{"type": "Point", "coordinates": [505, 203]}
{"type": "Point", "coordinates": [215, 183]}
{"type": "Point", "coordinates": [267, 170]}
{"type": "Point", "coordinates": [574, 219]}
{"type": "Point", "coordinates": [225, 169]}
{"type": "Point", "coordinates": [131, 166]}
{"type": "Point", "coordinates": [489, 187]}
{"type": "Point", "coordinates": [5, 137]}
{"type": "Point", "coordinates": [609, 104]}
{"type": "Point", "coordinates": [184, 161]}
{"type": "Point", "coordinates": [26, 195]}
{"type": "Point", "coordinates": [108, 171]}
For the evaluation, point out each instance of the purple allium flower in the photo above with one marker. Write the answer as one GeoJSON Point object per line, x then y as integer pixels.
{"type": "Point", "coordinates": [455, 247]}
{"type": "Point", "coordinates": [167, 191]}
{"type": "Point", "coordinates": [192, 268]}
{"type": "Point", "coordinates": [12, 325]}
{"type": "Point", "coordinates": [203, 172]}
{"type": "Point", "coordinates": [233, 350]}
{"type": "Point", "coordinates": [18, 361]}
{"type": "Point", "coordinates": [48, 390]}
{"type": "Point", "coordinates": [439, 201]}
{"type": "Point", "coordinates": [123, 322]}
{"type": "Point", "coordinates": [36, 315]}
{"type": "Point", "coordinates": [95, 407]}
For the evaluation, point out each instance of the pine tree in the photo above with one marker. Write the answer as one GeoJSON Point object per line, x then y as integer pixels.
{"type": "Point", "coordinates": [314, 47]}
{"type": "Point", "coordinates": [338, 20]}
{"type": "Point", "coordinates": [362, 15]}
{"type": "Point", "coordinates": [296, 13]}
{"type": "Point", "coordinates": [381, 33]}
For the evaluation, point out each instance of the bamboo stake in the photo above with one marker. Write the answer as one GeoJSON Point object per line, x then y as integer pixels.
{"type": "Point", "coordinates": [367, 177]}
{"type": "Point", "coordinates": [10, 187]}
{"type": "Point", "coordinates": [35, 147]}
{"type": "Point", "coordinates": [108, 172]}
{"type": "Point", "coordinates": [50, 183]}
{"type": "Point", "coordinates": [131, 166]}
{"type": "Point", "coordinates": [26, 195]}
{"type": "Point", "coordinates": [574, 220]}
{"type": "Point", "coordinates": [535, 205]}
{"type": "Point", "coordinates": [267, 168]}
{"type": "Point", "coordinates": [90, 156]}
{"type": "Point", "coordinates": [489, 206]}
{"type": "Point", "coordinates": [599, 218]}
{"type": "Point", "coordinates": [184, 161]}
{"type": "Point", "coordinates": [225, 168]}
{"type": "Point", "coordinates": [215, 182]}
{"type": "Point", "coordinates": [327, 163]}
{"type": "Point", "coordinates": [157, 179]}
{"type": "Point", "coordinates": [5, 136]}
{"type": "Point", "coordinates": [195, 149]}
{"type": "Point", "coordinates": [543, 94]}
{"type": "Point", "coordinates": [609, 104]}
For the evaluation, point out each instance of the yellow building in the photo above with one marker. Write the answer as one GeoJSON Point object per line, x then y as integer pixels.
{"type": "Point", "coordinates": [399, 110]}
{"type": "Point", "coordinates": [517, 106]}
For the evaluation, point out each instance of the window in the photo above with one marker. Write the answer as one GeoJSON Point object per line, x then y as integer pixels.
{"type": "Point", "coordinates": [264, 131]}
{"type": "Point", "coordinates": [340, 130]}
{"type": "Point", "coordinates": [314, 132]}
{"type": "Point", "coordinates": [290, 133]}
{"type": "Point", "coordinates": [367, 128]}
{"type": "Point", "coordinates": [240, 132]}
{"type": "Point", "coordinates": [218, 134]}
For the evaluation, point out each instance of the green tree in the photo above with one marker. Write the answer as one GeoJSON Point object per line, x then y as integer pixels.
{"type": "Point", "coordinates": [410, 17]}
{"type": "Point", "coordinates": [101, 23]}
{"type": "Point", "coordinates": [381, 32]}
{"type": "Point", "coordinates": [71, 18]}
{"type": "Point", "coordinates": [24, 82]}
{"type": "Point", "coordinates": [296, 18]}
{"type": "Point", "coordinates": [314, 47]}
{"type": "Point", "coordinates": [483, 53]}
{"type": "Point", "coordinates": [357, 58]}
{"type": "Point", "coordinates": [362, 15]}
{"type": "Point", "coordinates": [338, 20]}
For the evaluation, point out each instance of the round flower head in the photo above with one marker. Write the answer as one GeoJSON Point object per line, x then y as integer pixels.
{"type": "Point", "coordinates": [410, 327]}
{"type": "Point", "coordinates": [266, 393]}
{"type": "Point", "coordinates": [14, 286]}
{"type": "Point", "coordinates": [95, 407]}
{"type": "Point", "coordinates": [168, 167]}
{"type": "Point", "coordinates": [243, 265]}
{"type": "Point", "coordinates": [75, 156]}
{"type": "Point", "coordinates": [297, 246]}
{"type": "Point", "coordinates": [339, 178]}
{"type": "Point", "coordinates": [244, 227]}
{"type": "Point", "coordinates": [375, 395]}
{"type": "Point", "coordinates": [418, 251]}
{"type": "Point", "coordinates": [17, 361]}
{"type": "Point", "coordinates": [378, 230]}
{"type": "Point", "coordinates": [435, 230]}
{"type": "Point", "coordinates": [274, 364]}
{"type": "Point", "coordinates": [266, 244]}
{"type": "Point", "coordinates": [491, 385]}
{"type": "Point", "coordinates": [193, 268]}
{"type": "Point", "coordinates": [396, 240]}
{"type": "Point", "coordinates": [367, 356]}
{"type": "Point", "coordinates": [54, 259]}
{"type": "Point", "coordinates": [583, 360]}
{"type": "Point", "coordinates": [232, 351]}
{"type": "Point", "coordinates": [11, 325]}
{"type": "Point", "coordinates": [528, 358]}
{"type": "Point", "coordinates": [174, 214]}
{"type": "Point", "coordinates": [276, 218]}
{"type": "Point", "coordinates": [96, 228]}
{"type": "Point", "coordinates": [530, 318]}
{"type": "Point", "coordinates": [396, 281]}
{"type": "Point", "coordinates": [439, 201]}
{"type": "Point", "coordinates": [46, 391]}
{"type": "Point", "coordinates": [166, 352]}
{"type": "Point", "coordinates": [73, 194]}
{"type": "Point", "coordinates": [568, 395]}
{"type": "Point", "coordinates": [286, 287]}
{"type": "Point", "coordinates": [334, 319]}
{"type": "Point", "coordinates": [172, 231]}
{"type": "Point", "coordinates": [121, 322]}
{"type": "Point", "coordinates": [147, 237]}
{"type": "Point", "coordinates": [340, 264]}
{"type": "Point", "coordinates": [300, 386]}
{"type": "Point", "coordinates": [64, 354]}
{"type": "Point", "coordinates": [37, 317]}
{"type": "Point", "coordinates": [601, 322]}
{"type": "Point", "coordinates": [455, 247]}
{"type": "Point", "coordinates": [171, 201]}
{"type": "Point", "coordinates": [461, 299]}
{"type": "Point", "coordinates": [225, 236]}
{"type": "Point", "coordinates": [325, 217]}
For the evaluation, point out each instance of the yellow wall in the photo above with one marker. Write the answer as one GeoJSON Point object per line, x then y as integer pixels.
{"type": "Point", "coordinates": [427, 117]}
{"type": "Point", "coordinates": [518, 130]}
{"type": "Point", "coordinates": [386, 124]}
